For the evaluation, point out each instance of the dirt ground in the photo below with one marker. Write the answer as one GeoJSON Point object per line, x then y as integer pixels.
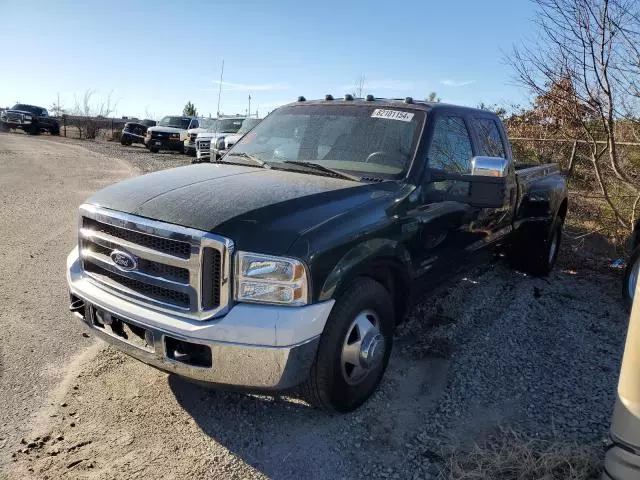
{"type": "Point", "coordinates": [497, 350]}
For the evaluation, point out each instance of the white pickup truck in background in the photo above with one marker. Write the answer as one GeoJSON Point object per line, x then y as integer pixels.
{"type": "Point", "coordinates": [206, 124]}
{"type": "Point", "coordinates": [210, 140]}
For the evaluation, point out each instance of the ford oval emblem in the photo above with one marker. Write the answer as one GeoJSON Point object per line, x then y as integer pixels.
{"type": "Point", "coordinates": [123, 260]}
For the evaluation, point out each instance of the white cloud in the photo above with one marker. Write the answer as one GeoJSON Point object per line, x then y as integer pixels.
{"type": "Point", "coordinates": [243, 87]}
{"type": "Point", "coordinates": [456, 83]}
{"type": "Point", "coordinates": [380, 85]}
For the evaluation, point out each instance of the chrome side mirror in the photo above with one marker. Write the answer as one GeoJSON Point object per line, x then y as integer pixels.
{"type": "Point", "coordinates": [489, 166]}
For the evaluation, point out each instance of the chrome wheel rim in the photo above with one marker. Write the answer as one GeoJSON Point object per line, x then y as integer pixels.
{"type": "Point", "coordinates": [633, 278]}
{"type": "Point", "coordinates": [363, 348]}
{"type": "Point", "coordinates": [553, 248]}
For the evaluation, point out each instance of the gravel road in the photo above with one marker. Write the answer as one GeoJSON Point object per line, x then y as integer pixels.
{"type": "Point", "coordinates": [498, 349]}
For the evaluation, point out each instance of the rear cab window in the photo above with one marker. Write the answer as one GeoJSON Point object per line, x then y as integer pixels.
{"type": "Point", "coordinates": [490, 141]}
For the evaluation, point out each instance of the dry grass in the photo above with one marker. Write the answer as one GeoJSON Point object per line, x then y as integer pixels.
{"type": "Point", "coordinates": [511, 456]}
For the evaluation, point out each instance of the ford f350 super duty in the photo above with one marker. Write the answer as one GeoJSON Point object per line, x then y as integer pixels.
{"type": "Point", "coordinates": [289, 261]}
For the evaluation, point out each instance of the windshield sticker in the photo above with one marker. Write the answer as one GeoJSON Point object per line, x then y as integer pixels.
{"type": "Point", "coordinates": [392, 114]}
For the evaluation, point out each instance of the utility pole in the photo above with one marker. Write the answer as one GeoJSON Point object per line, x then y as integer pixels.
{"type": "Point", "coordinates": [249, 111]}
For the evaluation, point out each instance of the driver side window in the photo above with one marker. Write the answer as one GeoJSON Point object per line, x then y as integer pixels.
{"type": "Point", "coordinates": [450, 148]}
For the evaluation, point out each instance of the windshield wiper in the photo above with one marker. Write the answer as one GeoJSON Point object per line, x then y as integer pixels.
{"type": "Point", "coordinates": [321, 168]}
{"type": "Point", "coordinates": [248, 156]}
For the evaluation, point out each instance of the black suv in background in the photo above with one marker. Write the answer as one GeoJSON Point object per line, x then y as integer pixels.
{"type": "Point", "coordinates": [29, 118]}
{"type": "Point", "coordinates": [134, 132]}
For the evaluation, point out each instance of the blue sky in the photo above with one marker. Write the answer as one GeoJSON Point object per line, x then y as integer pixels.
{"type": "Point", "coordinates": [154, 56]}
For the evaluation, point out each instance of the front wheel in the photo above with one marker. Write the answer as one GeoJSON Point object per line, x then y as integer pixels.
{"type": "Point", "coordinates": [631, 275]}
{"type": "Point", "coordinates": [354, 349]}
{"type": "Point", "coordinates": [154, 149]}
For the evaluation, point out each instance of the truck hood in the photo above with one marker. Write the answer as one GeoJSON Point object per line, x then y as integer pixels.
{"type": "Point", "coordinates": [259, 209]}
{"type": "Point", "coordinates": [166, 129]}
{"type": "Point", "coordinates": [209, 134]}
{"type": "Point", "coordinates": [196, 130]}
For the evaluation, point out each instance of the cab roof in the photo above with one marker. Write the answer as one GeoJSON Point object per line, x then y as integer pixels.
{"type": "Point", "coordinates": [387, 103]}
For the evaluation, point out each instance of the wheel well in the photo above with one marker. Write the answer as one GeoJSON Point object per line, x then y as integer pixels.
{"type": "Point", "coordinates": [393, 276]}
{"type": "Point", "coordinates": [562, 211]}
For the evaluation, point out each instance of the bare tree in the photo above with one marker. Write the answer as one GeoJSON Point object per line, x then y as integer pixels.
{"type": "Point", "coordinates": [90, 112]}
{"type": "Point", "coordinates": [585, 64]}
{"type": "Point", "coordinates": [56, 109]}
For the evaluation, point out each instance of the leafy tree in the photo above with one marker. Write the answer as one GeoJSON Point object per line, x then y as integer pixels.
{"type": "Point", "coordinates": [433, 97]}
{"type": "Point", "coordinates": [190, 110]}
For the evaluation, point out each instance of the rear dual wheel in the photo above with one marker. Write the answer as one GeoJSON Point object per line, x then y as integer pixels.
{"type": "Point", "coordinates": [354, 348]}
{"type": "Point", "coordinates": [537, 253]}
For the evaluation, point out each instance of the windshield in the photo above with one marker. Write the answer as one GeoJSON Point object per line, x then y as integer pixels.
{"type": "Point", "coordinates": [27, 108]}
{"type": "Point", "coordinates": [176, 122]}
{"type": "Point", "coordinates": [229, 125]}
{"type": "Point", "coordinates": [356, 138]}
{"type": "Point", "coordinates": [248, 124]}
{"type": "Point", "coordinates": [208, 123]}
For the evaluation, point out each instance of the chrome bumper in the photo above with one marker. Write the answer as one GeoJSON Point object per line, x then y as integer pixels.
{"type": "Point", "coordinates": [246, 366]}
{"type": "Point", "coordinates": [252, 346]}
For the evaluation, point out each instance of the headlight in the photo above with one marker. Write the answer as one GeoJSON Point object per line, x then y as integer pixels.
{"type": "Point", "coordinates": [220, 143]}
{"type": "Point", "coordinates": [268, 279]}
{"type": "Point", "coordinates": [174, 135]}
{"type": "Point", "coordinates": [28, 117]}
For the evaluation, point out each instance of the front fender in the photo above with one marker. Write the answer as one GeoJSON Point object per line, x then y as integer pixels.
{"type": "Point", "coordinates": [362, 256]}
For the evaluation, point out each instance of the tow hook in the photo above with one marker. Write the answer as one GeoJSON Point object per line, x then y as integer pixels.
{"type": "Point", "coordinates": [77, 306]}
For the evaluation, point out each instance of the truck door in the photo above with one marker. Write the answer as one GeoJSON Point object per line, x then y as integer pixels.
{"type": "Point", "coordinates": [491, 142]}
{"type": "Point", "coordinates": [445, 226]}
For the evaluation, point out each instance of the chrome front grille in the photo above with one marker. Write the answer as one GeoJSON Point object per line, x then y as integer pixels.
{"type": "Point", "coordinates": [177, 269]}
{"type": "Point", "coordinates": [14, 117]}
{"type": "Point", "coordinates": [204, 146]}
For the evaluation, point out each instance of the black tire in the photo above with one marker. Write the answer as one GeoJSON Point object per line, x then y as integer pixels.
{"type": "Point", "coordinates": [633, 270]}
{"type": "Point", "coordinates": [154, 149]}
{"type": "Point", "coordinates": [34, 130]}
{"type": "Point", "coordinates": [3, 127]}
{"type": "Point", "coordinates": [55, 131]}
{"type": "Point", "coordinates": [326, 387]}
{"type": "Point", "coordinates": [537, 253]}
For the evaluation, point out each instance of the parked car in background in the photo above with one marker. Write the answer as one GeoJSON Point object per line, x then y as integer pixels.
{"type": "Point", "coordinates": [632, 272]}
{"type": "Point", "coordinates": [29, 118]}
{"type": "Point", "coordinates": [226, 141]}
{"type": "Point", "coordinates": [205, 141]}
{"type": "Point", "coordinates": [170, 133]}
{"type": "Point", "coordinates": [291, 261]}
{"type": "Point", "coordinates": [135, 132]}
{"type": "Point", "coordinates": [206, 124]}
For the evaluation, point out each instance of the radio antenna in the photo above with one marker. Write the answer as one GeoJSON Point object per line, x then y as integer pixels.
{"type": "Point", "coordinates": [220, 89]}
